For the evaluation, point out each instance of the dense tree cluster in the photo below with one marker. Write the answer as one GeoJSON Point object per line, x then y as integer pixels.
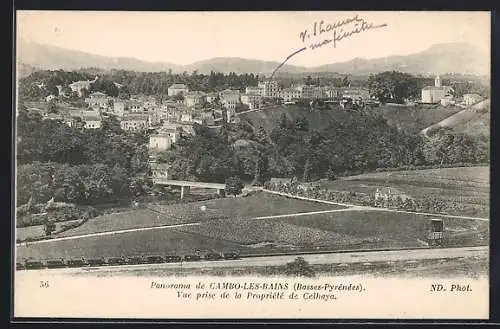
{"type": "Point", "coordinates": [105, 85]}
{"type": "Point", "coordinates": [130, 82]}
{"type": "Point", "coordinates": [205, 156]}
{"type": "Point", "coordinates": [78, 166]}
{"type": "Point", "coordinates": [43, 83]}
{"type": "Point", "coordinates": [357, 142]}
{"type": "Point", "coordinates": [393, 86]}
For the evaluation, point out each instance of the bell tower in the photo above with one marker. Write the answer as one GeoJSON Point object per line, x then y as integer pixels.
{"type": "Point", "coordinates": [437, 81]}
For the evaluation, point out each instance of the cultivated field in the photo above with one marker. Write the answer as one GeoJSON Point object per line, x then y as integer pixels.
{"type": "Point", "coordinates": [256, 205]}
{"type": "Point", "coordinates": [343, 230]}
{"type": "Point", "coordinates": [155, 242]}
{"type": "Point", "coordinates": [468, 186]}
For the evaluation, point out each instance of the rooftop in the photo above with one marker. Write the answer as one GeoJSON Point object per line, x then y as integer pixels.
{"type": "Point", "coordinates": [135, 116]}
{"type": "Point", "coordinates": [437, 88]}
{"type": "Point", "coordinates": [91, 118]}
{"type": "Point", "coordinates": [178, 86]}
{"type": "Point", "coordinates": [98, 93]}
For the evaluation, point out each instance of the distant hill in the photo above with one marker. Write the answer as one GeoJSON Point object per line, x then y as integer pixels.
{"type": "Point", "coordinates": [240, 65]}
{"type": "Point", "coordinates": [460, 58]}
{"type": "Point", "coordinates": [54, 58]}
{"type": "Point", "coordinates": [441, 58]}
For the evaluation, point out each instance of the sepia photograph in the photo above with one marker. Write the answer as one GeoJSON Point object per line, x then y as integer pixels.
{"type": "Point", "coordinates": [293, 164]}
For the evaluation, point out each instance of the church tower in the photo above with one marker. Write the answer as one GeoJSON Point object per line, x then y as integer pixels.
{"type": "Point", "coordinates": [437, 81]}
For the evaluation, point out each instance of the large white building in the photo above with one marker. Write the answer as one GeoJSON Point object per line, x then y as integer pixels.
{"type": "Point", "coordinates": [229, 98]}
{"type": "Point", "coordinates": [253, 100]}
{"type": "Point", "coordinates": [434, 94]}
{"type": "Point", "coordinates": [269, 88]}
{"type": "Point", "coordinates": [98, 100]}
{"type": "Point", "coordinates": [306, 91]}
{"type": "Point", "coordinates": [253, 90]}
{"type": "Point", "coordinates": [191, 99]}
{"type": "Point", "coordinates": [356, 94]}
{"type": "Point", "coordinates": [177, 88]}
{"type": "Point", "coordinates": [289, 94]}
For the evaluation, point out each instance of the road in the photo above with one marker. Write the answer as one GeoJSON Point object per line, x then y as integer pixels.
{"type": "Point", "coordinates": [341, 259]}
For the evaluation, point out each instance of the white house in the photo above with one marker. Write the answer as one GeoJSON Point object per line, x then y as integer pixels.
{"type": "Point", "coordinates": [134, 122]}
{"type": "Point", "coordinates": [92, 122]}
{"type": "Point", "coordinates": [471, 99]}
{"type": "Point", "coordinates": [160, 170]}
{"type": "Point", "coordinates": [163, 140]}
{"type": "Point", "coordinates": [98, 100]}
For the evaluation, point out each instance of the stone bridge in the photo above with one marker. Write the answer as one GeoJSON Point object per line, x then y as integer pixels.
{"type": "Point", "coordinates": [186, 185]}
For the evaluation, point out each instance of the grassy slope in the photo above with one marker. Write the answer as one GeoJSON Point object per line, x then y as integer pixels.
{"type": "Point", "coordinates": [410, 119]}
{"type": "Point", "coordinates": [414, 119]}
{"type": "Point", "coordinates": [268, 118]}
{"type": "Point", "coordinates": [260, 204]}
{"type": "Point", "coordinates": [479, 125]}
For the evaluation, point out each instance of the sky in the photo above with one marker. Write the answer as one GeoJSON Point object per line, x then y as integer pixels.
{"type": "Point", "coordinates": [186, 37]}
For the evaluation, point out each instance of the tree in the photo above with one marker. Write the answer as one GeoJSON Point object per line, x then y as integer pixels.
{"type": "Point", "coordinates": [331, 174]}
{"type": "Point", "coordinates": [179, 97]}
{"type": "Point", "coordinates": [234, 186]}
{"type": "Point", "coordinates": [299, 267]}
{"type": "Point", "coordinates": [52, 106]}
{"type": "Point", "coordinates": [301, 123]}
{"type": "Point", "coordinates": [67, 91]}
{"type": "Point", "coordinates": [346, 82]}
{"type": "Point", "coordinates": [49, 227]}
{"type": "Point", "coordinates": [393, 85]}
{"type": "Point", "coordinates": [261, 169]}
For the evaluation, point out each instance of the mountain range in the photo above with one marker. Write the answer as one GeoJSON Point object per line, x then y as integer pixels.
{"type": "Point", "coordinates": [461, 58]}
